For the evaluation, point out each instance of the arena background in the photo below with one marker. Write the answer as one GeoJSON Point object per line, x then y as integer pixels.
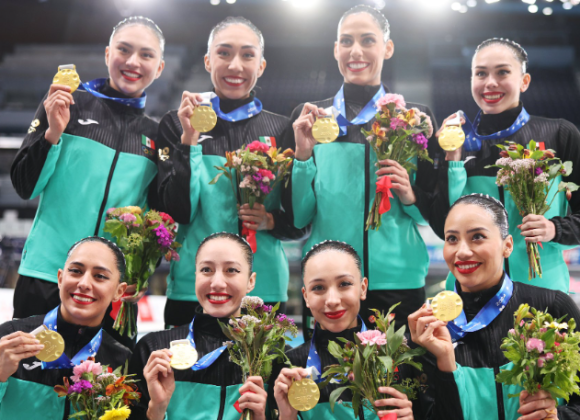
{"type": "Point", "coordinates": [434, 41]}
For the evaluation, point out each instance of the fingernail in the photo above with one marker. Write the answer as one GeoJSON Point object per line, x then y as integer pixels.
{"type": "Point", "coordinates": [36, 341]}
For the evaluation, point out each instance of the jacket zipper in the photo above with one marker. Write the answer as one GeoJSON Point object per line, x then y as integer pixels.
{"type": "Point", "coordinates": [502, 199]}
{"type": "Point", "coordinates": [366, 212]}
{"type": "Point", "coordinates": [110, 177]}
{"type": "Point", "coordinates": [222, 403]}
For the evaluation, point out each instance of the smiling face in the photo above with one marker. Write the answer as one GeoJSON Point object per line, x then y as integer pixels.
{"type": "Point", "coordinates": [474, 250]}
{"type": "Point", "coordinates": [88, 284]}
{"type": "Point", "coordinates": [222, 277]}
{"type": "Point", "coordinates": [333, 289]}
{"type": "Point", "coordinates": [497, 79]}
{"type": "Point", "coordinates": [361, 49]}
{"type": "Point", "coordinates": [134, 60]}
{"type": "Point", "coordinates": [235, 61]}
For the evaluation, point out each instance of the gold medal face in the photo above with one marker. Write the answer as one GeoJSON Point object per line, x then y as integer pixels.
{"type": "Point", "coordinates": [325, 129]}
{"type": "Point", "coordinates": [304, 394]}
{"type": "Point", "coordinates": [68, 77]}
{"type": "Point", "coordinates": [184, 355]}
{"type": "Point", "coordinates": [447, 306]}
{"type": "Point", "coordinates": [203, 119]}
{"type": "Point", "coordinates": [451, 138]}
{"type": "Point", "coordinates": [53, 345]}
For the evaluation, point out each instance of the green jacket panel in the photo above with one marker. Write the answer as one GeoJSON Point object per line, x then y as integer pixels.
{"type": "Point", "coordinates": [195, 401]}
{"type": "Point", "coordinates": [75, 170]}
{"type": "Point", "coordinates": [216, 211]}
{"type": "Point", "coordinates": [329, 191]}
{"type": "Point", "coordinates": [21, 399]}
{"type": "Point", "coordinates": [322, 411]}
{"type": "Point", "coordinates": [555, 272]}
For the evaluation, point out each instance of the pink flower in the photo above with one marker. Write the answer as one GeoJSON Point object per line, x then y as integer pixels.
{"type": "Point", "coordinates": [549, 356]}
{"type": "Point", "coordinates": [535, 344]}
{"type": "Point", "coordinates": [87, 366]}
{"type": "Point", "coordinates": [127, 217]}
{"type": "Point", "coordinates": [256, 146]}
{"type": "Point", "coordinates": [396, 123]}
{"type": "Point", "coordinates": [429, 126]}
{"type": "Point", "coordinates": [392, 98]}
{"type": "Point", "coordinates": [522, 323]}
{"type": "Point", "coordinates": [267, 174]}
{"type": "Point", "coordinates": [372, 337]}
{"type": "Point", "coordinates": [543, 330]}
{"type": "Point", "coordinates": [512, 332]}
{"type": "Point", "coordinates": [541, 362]}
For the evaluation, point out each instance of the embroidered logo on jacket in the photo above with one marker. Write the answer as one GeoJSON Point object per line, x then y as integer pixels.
{"type": "Point", "coordinates": [204, 137]}
{"type": "Point", "coordinates": [164, 154]}
{"type": "Point", "coordinates": [33, 126]}
{"type": "Point", "coordinates": [270, 141]}
{"type": "Point", "coordinates": [148, 145]}
{"type": "Point", "coordinates": [87, 121]}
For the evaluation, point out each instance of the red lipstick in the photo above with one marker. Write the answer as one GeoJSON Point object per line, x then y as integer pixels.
{"type": "Point", "coordinates": [356, 70]}
{"type": "Point", "coordinates": [335, 315]}
{"type": "Point", "coordinates": [218, 302]}
{"type": "Point", "coordinates": [467, 267]}
{"type": "Point", "coordinates": [80, 302]}
{"type": "Point", "coordinates": [488, 100]}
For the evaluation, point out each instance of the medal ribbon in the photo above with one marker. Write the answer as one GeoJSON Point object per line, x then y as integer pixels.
{"type": "Point", "coordinates": [94, 86]}
{"type": "Point", "coordinates": [313, 357]}
{"type": "Point", "coordinates": [242, 113]}
{"type": "Point", "coordinates": [363, 117]}
{"type": "Point", "coordinates": [207, 360]}
{"type": "Point", "coordinates": [63, 362]}
{"type": "Point", "coordinates": [473, 140]}
{"type": "Point", "coordinates": [459, 327]}
{"type": "Point", "coordinates": [384, 186]}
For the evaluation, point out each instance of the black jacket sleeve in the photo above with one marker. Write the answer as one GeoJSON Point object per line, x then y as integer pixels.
{"type": "Point", "coordinates": [568, 227]}
{"type": "Point", "coordinates": [29, 160]}
{"type": "Point", "coordinates": [137, 365]}
{"type": "Point", "coordinates": [174, 172]}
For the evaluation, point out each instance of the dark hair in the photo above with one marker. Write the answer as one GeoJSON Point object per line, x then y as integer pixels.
{"type": "Point", "coordinates": [246, 248]}
{"type": "Point", "coordinates": [237, 20]}
{"type": "Point", "coordinates": [141, 20]}
{"type": "Point", "coordinates": [377, 16]}
{"type": "Point", "coordinates": [519, 52]}
{"type": "Point", "coordinates": [493, 206]}
{"type": "Point", "coordinates": [331, 246]}
{"type": "Point", "coordinates": [117, 253]}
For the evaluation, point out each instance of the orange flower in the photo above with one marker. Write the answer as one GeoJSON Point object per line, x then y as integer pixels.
{"type": "Point", "coordinates": [62, 390]}
{"type": "Point", "coordinates": [288, 153]}
{"type": "Point", "coordinates": [376, 128]}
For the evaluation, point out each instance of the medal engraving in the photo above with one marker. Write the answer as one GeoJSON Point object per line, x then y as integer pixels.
{"type": "Point", "coordinates": [68, 76]}
{"type": "Point", "coordinates": [53, 345]}
{"type": "Point", "coordinates": [325, 129]}
{"type": "Point", "coordinates": [184, 354]}
{"type": "Point", "coordinates": [204, 118]}
{"type": "Point", "coordinates": [447, 306]}
{"type": "Point", "coordinates": [304, 394]}
{"type": "Point", "coordinates": [451, 138]}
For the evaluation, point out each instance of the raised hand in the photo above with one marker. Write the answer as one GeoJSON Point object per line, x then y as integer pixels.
{"type": "Point", "coordinates": [14, 348]}
{"type": "Point", "coordinates": [189, 101]}
{"type": "Point", "coordinates": [57, 105]}
{"type": "Point", "coordinates": [160, 383]}
{"type": "Point", "coordinates": [303, 131]}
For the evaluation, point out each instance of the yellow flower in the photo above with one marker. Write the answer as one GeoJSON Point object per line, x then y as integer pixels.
{"type": "Point", "coordinates": [116, 414]}
{"type": "Point", "coordinates": [134, 209]}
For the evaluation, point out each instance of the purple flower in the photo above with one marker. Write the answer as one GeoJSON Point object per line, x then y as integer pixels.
{"type": "Point", "coordinates": [539, 171]}
{"type": "Point", "coordinates": [421, 140]}
{"type": "Point", "coordinates": [257, 176]}
{"type": "Point", "coordinates": [265, 188]}
{"type": "Point", "coordinates": [267, 308]}
{"type": "Point", "coordinates": [164, 237]}
{"type": "Point", "coordinates": [535, 344]}
{"type": "Point", "coordinates": [281, 317]}
{"type": "Point", "coordinates": [80, 386]}
{"type": "Point", "coordinates": [396, 123]}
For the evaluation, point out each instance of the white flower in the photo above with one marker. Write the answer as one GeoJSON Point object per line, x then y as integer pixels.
{"type": "Point", "coordinates": [233, 323]}
{"type": "Point", "coordinates": [251, 302]}
{"type": "Point", "coordinates": [504, 161]}
{"type": "Point", "coordinates": [247, 182]}
{"type": "Point", "coordinates": [521, 165]}
{"type": "Point", "coordinates": [249, 319]}
{"type": "Point", "coordinates": [543, 177]}
{"type": "Point", "coordinates": [245, 168]}
{"type": "Point", "coordinates": [237, 160]}
{"type": "Point", "coordinates": [553, 324]}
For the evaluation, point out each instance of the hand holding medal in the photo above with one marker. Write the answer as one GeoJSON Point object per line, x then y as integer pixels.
{"type": "Point", "coordinates": [451, 136]}
{"type": "Point", "coordinates": [52, 341]}
{"type": "Point", "coordinates": [184, 354]}
{"type": "Point", "coordinates": [305, 134]}
{"type": "Point", "coordinates": [59, 100]}
{"type": "Point", "coordinates": [67, 75]}
{"type": "Point", "coordinates": [446, 305]}
{"type": "Point", "coordinates": [295, 390]}
{"type": "Point", "coordinates": [14, 348]}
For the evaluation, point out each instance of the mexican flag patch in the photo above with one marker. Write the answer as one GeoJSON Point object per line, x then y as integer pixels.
{"type": "Point", "coordinates": [147, 142]}
{"type": "Point", "coordinates": [270, 141]}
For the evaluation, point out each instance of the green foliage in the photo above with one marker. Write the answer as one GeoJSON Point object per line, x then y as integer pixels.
{"type": "Point", "coordinates": [553, 366]}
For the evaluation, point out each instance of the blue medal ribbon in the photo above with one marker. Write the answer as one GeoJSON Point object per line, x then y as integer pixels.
{"type": "Point", "coordinates": [363, 117]}
{"type": "Point", "coordinates": [473, 140]}
{"type": "Point", "coordinates": [63, 362]}
{"type": "Point", "coordinates": [244, 112]}
{"type": "Point", "coordinates": [314, 358]}
{"type": "Point", "coordinates": [207, 360]}
{"type": "Point", "coordinates": [94, 86]}
{"type": "Point", "coordinates": [459, 327]}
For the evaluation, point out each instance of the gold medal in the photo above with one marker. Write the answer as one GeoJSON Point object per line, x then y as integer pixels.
{"type": "Point", "coordinates": [204, 118]}
{"type": "Point", "coordinates": [67, 75]}
{"type": "Point", "coordinates": [53, 345]}
{"type": "Point", "coordinates": [325, 129]}
{"type": "Point", "coordinates": [451, 138]}
{"type": "Point", "coordinates": [184, 355]}
{"type": "Point", "coordinates": [304, 394]}
{"type": "Point", "coordinates": [447, 306]}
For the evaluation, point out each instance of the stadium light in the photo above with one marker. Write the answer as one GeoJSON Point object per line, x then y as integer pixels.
{"type": "Point", "coordinates": [547, 11]}
{"type": "Point", "coordinates": [532, 8]}
{"type": "Point", "coordinates": [529, 1]}
{"type": "Point", "coordinates": [214, 2]}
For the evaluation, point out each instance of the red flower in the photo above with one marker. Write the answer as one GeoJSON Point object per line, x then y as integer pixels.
{"type": "Point", "coordinates": [256, 146]}
{"type": "Point", "coordinates": [504, 154]}
{"type": "Point", "coordinates": [166, 218]}
{"type": "Point", "coordinates": [372, 319]}
{"type": "Point", "coordinates": [109, 369]}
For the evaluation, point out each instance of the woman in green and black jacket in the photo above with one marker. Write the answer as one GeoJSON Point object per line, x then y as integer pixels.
{"type": "Point", "coordinates": [333, 290]}
{"type": "Point", "coordinates": [235, 60]}
{"type": "Point", "coordinates": [333, 185]}
{"type": "Point", "coordinates": [468, 353]}
{"type": "Point", "coordinates": [93, 272]}
{"type": "Point", "coordinates": [84, 153]}
{"type": "Point", "coordinates": [498, 79]}
{"type": "Point", "coordinates": [210, 390]}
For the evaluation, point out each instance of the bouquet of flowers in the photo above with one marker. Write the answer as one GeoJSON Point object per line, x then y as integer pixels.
{"type": "Point", "coordinates": [255, 169]}
{"type": "Point", "coordinates": [372, 361]}
{"type": "Point", "coordinates": [144, 239]}
{"type": "Point", "coordinates": [529, 175]}
{"type": "Point", "coordinates": [398, 134]}
{"type": "Point", "coordinates": [544, 352]}
{"type": "Point", "coordinates": [258, 339]}
{"type": "Point", "coordinates": [99, 393]}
